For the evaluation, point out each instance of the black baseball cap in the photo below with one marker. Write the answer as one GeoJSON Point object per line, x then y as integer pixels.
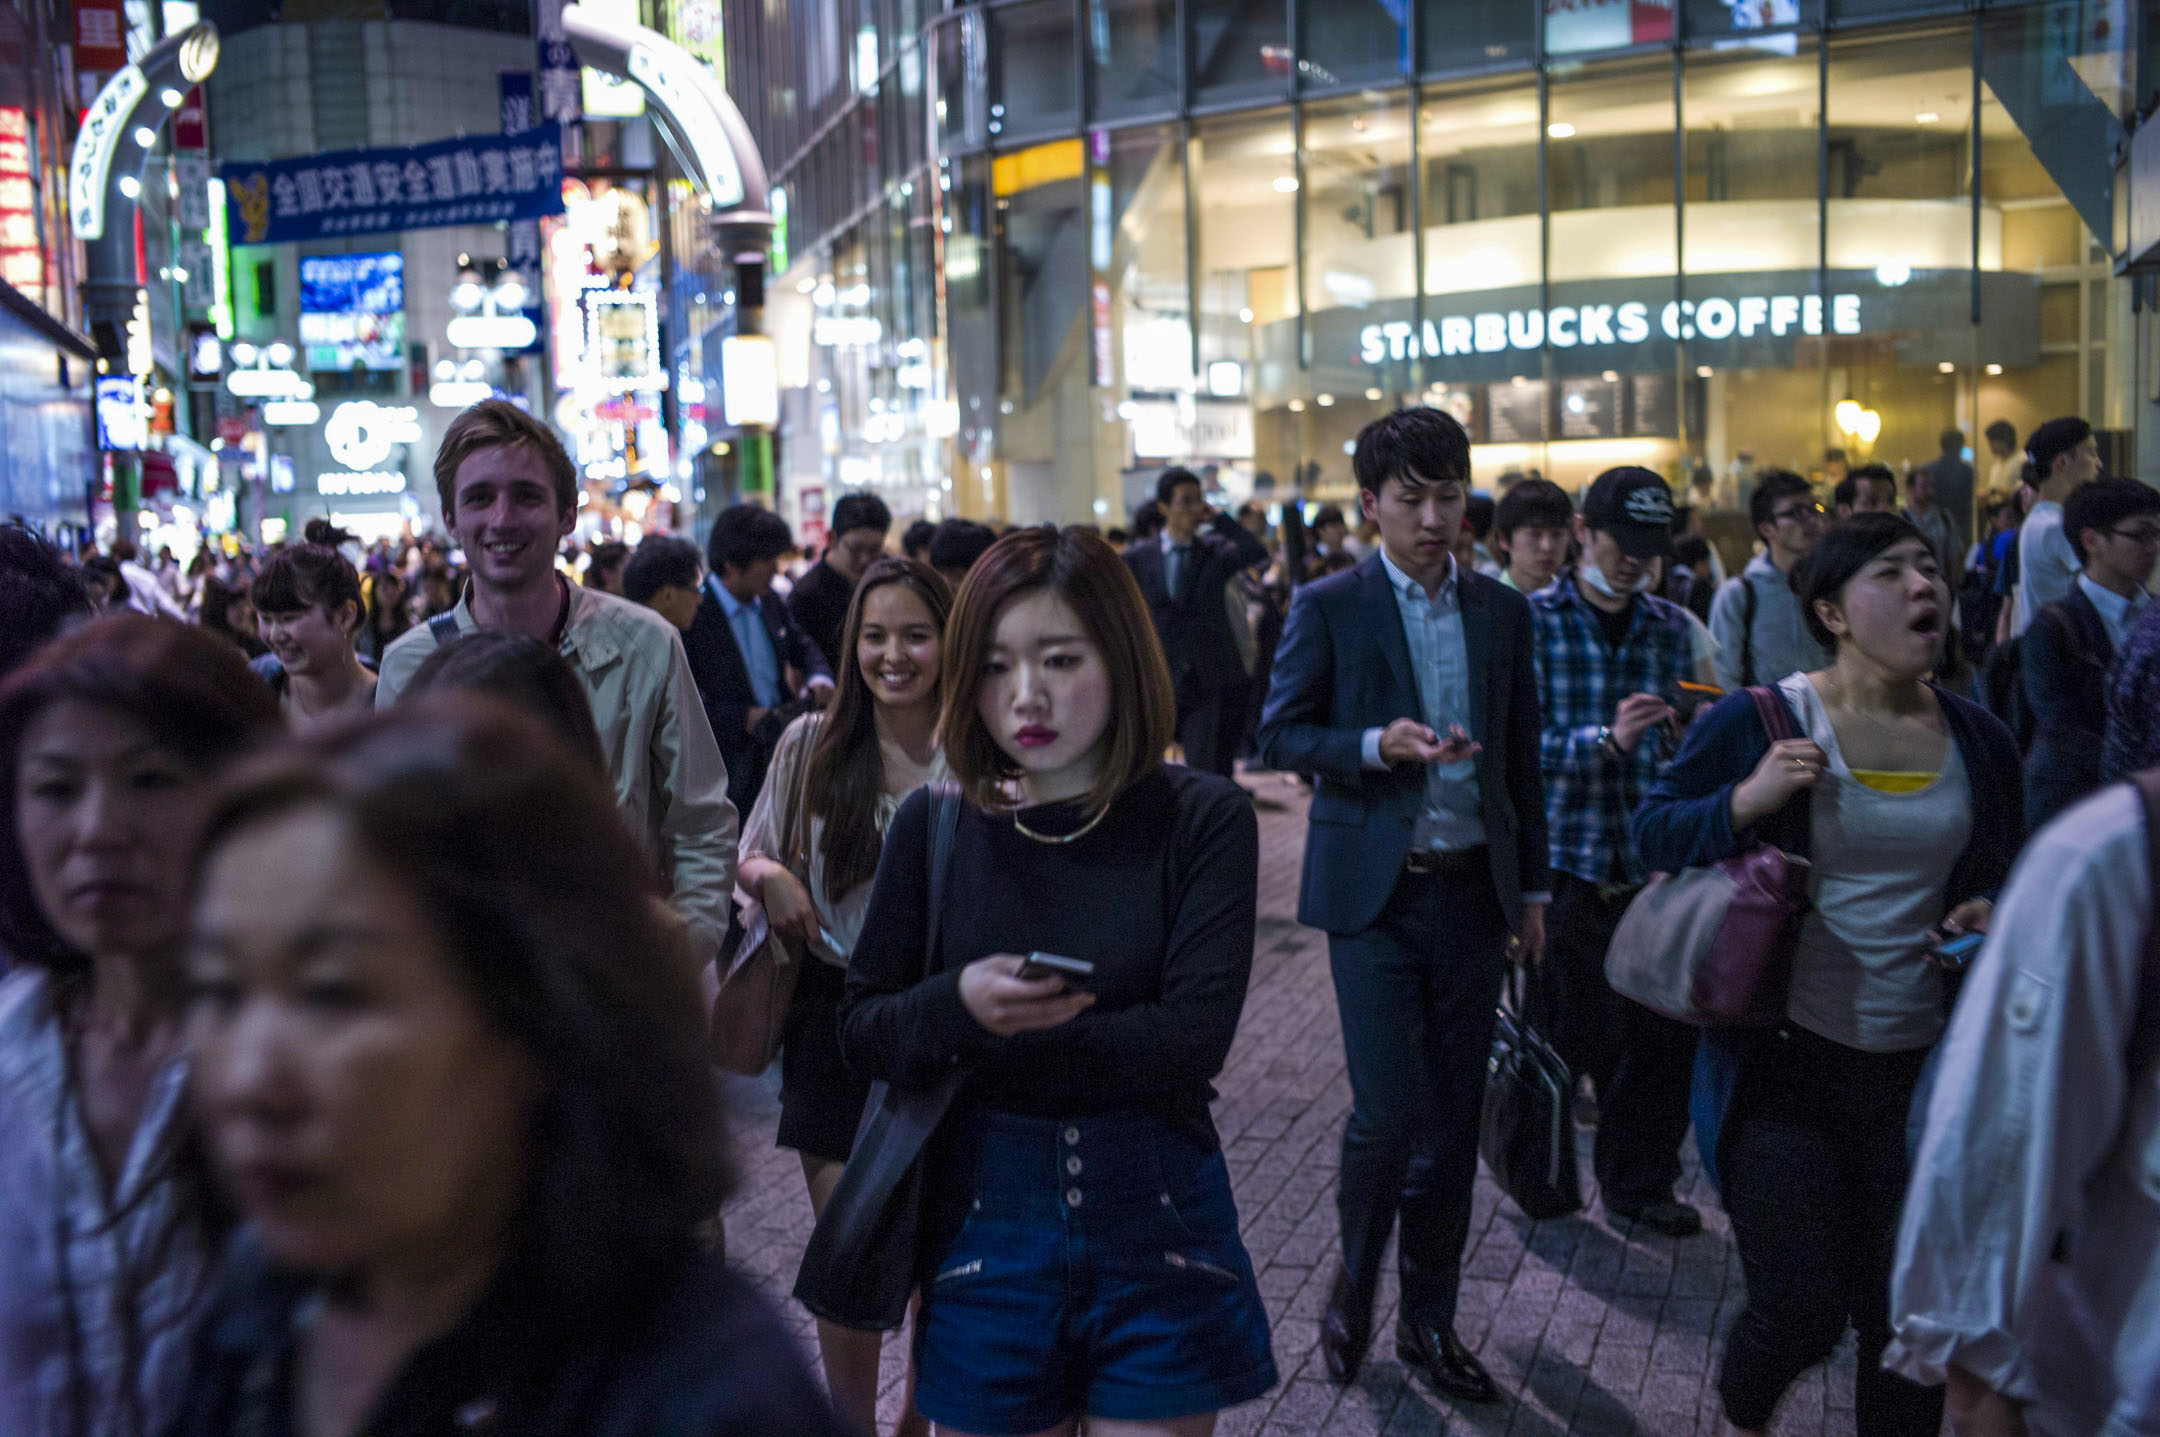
{"type": "Point", "coordinates": [1635, 507]}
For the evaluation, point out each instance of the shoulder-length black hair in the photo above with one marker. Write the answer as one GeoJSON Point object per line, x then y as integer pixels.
{"type": "Point", "coordinates": [1087, 574]}
{"type": "Point", "coordinates": [190, 689]}
{"type": "Point", "coordinates": [1843, 551]}
{"type": "Point", "coordinates": [846, 773]}
{"type": "Point", "coordinates": [552, 917]}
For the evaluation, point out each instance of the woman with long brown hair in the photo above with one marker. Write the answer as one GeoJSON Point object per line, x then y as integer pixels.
{"type": "Point", "coordinates": [1080, 1257]}
{"type": "Point", "coordinates": [808, 854]}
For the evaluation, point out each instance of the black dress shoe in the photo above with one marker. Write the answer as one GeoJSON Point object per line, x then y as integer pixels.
{"type": "Point", "coordinates": [1441, 1356]}
{"type": "Point", "coordinates": [1674, 1219]}
{"type": "Point", "coordinates": [1345, 1330]}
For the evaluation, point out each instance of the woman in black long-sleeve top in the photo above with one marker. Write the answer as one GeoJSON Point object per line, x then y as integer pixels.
{"type": "Point", "coordinates": [1907, 799]}
{"type": "Point", "coordinates": [1081, 1254]}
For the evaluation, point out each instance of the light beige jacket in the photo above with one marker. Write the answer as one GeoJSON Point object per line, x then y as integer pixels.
{"type": "Point", "coordinates": [670, 780]}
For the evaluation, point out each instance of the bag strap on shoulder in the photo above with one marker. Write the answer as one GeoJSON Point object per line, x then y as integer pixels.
{"type": "Point", "coordinates": [444, 627]}
{"type": "Point", "coordinates": [1776, 718]}
{"type": "Point", "coordinates": [1747, 631]}
{"type": "Point", "coordinates": [944, 824]}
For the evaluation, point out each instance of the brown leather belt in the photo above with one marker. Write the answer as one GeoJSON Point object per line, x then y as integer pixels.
{"type": "Point", "coordinates": [1456, 861]}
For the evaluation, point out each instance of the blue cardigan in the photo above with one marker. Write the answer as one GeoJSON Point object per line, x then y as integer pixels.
{"type": "Point", "coordinates": [1685, 821]}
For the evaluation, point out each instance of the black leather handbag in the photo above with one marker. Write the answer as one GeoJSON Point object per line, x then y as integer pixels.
{"type": "Point", "coordinates": [859, 1268]}
{"type": "Point", "coordinates": [1527, 1135]}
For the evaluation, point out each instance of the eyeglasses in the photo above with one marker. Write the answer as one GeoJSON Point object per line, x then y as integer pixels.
{"type": "Point", "coordinates": [2142, 534]}
{"type": "Point", "coordinates": [1797, 511]}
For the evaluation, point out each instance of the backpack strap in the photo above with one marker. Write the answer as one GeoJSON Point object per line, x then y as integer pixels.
{"type": "Point", "coordinates": [444, 627]}
{"type": "Point", "coordinates": [1747, 632]}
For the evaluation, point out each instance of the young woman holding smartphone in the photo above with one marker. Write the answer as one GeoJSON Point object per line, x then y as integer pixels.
{"type": "Point", "coordinates": [1081, 1256]}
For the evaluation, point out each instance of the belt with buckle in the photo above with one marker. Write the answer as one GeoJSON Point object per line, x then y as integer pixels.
{"type": "Point", "coordinates": [1454, 861]}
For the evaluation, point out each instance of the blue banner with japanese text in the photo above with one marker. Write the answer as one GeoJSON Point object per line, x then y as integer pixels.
{"type": "Point", "coordinates": [476, 180]}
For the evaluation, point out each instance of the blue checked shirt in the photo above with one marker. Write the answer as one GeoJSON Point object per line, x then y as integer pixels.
{"type": "Point", "coordinates": [1589, 794]}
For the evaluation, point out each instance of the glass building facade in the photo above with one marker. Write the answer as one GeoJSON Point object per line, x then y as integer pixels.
{"type": "Point", "coordinates": [1036, 250]}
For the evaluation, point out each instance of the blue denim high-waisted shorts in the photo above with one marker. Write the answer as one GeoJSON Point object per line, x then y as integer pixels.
{"type": "Point", "coordinates": [1084, 1267]}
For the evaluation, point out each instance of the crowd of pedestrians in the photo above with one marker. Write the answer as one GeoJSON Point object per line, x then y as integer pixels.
{"type": "Point", "coordinates": [372, 922]}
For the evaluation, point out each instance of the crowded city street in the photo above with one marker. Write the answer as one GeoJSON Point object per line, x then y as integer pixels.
{"type": "Point", "coordinates": [1079, 718]}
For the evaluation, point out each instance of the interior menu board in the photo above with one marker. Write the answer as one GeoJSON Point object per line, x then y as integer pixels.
{"type": "Point", "coordinates": [1590, 408]}
{"type": "Point", "coordinates": [1515, 413]}
{"type": "Point", "coordinates": [1461, 402]}
{"type": "Point", "coordinates": [1651, 411]}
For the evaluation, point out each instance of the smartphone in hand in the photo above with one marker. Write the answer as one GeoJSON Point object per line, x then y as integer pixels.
{"type": "Point", "coordinates": [1956, 951]}
{"type": "Point", "coordinates": [1075, 971]}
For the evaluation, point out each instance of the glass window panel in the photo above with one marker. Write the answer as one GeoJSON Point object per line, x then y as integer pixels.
{"type": "Point", "coordinates": [1134, 49]}
{"type": "Point", "coordinates": [1473, 34]}
{"type": "Point", "coordinates": [1245, 189]}
{"type": "Point", "coordinates": [1038, 90]}
{"type": "Point", "coordinates": [1743, 18]}
{"type": "Point", "coordinates": [1352, 41]}
{"type": "Point", "coordinates": [962, 100]}
{"type": "Point", "coordinates": [1753, 361]}
{"type": "Point", "coordinates": [1900, 241]}
{"type": "Point", "coordinates": [1240, 49]}
{"type": "Point", "coordinates": [1608, 395]}
{"type": "Point", "coordinates": [1360, 267]}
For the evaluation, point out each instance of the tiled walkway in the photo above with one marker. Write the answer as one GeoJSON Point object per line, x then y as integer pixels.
{"type": "Point", "coordinates": [1588, 1329]}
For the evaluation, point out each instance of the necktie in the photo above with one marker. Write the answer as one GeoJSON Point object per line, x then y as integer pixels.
{"type": "Point", "coordinates": [1176, 567]}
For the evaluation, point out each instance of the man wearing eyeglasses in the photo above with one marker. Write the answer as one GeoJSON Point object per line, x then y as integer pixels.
{"type": "Point", "coordinates": [2114, 525]}
{"type": "Point", "coordinates": [1756, 616]}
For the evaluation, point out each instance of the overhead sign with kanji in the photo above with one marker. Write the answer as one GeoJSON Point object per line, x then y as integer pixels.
{"type": "Point", "coordinates": [476, 180]}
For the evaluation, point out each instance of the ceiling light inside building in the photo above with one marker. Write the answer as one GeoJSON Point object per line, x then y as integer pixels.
{"type": "Point", "coordinates": [1946, 367]}
{"type": "Point", "coordinates": [1286, 184]}
{"type": "Point", "coordinates": [1560, 130]}
{"type": "Point", "coordinates": [1994, 369]}
{"type": "Point", "coordinates": [1926, 117]}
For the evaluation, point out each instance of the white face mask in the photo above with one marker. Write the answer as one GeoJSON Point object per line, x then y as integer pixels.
{"type": "Point", "coordinates": [1594, 576]}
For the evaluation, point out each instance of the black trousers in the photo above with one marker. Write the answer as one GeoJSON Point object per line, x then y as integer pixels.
{"type": "Point", "coordinates": [1640, 1062]}
{"type": "Point", "coordinates": [1417, 992]}
{"type": "Point", "coordinates": [1814, 1169]}
{"type": "Point", "coordinates": [1209, 726]}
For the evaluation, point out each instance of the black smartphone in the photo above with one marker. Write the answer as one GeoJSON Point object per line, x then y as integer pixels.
{"type": "Point", "coordinates": [1958, 950]}
{"type": "Point", "coordinates": [1075, 971]}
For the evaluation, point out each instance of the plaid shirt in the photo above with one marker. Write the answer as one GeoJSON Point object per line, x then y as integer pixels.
{"type": "Point", "coordinates": [1589, 794]}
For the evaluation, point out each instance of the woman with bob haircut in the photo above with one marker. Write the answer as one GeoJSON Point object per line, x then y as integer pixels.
{"type": "Point", "coordinates": [110, 741]}
{"type": "Point", "coordinates": [1081, 1257]}
{"type": "Point", "coordinates": [1907, 798]}
{"type": "Point", "coordinates": [808, 854]}
{"type": "Point", "coordinates": [308, 608]}
{"type": "Point", "coordinates": [450, 1066]}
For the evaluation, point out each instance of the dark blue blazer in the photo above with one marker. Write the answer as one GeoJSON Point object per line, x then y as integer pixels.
{"type": "Point", "coordinates": [723, 681]}
{"type": "Point", "coordinates": [1195, 626]}
{"type": "Point", "coordinates": [1685, 821]}
{"type": "Point", "coordinates": [1344, 667]}
{"type": "Point", "coordinates": [2063, 662]}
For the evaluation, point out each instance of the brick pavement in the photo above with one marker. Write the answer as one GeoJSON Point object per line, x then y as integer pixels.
{"type": "Point", "coordinates": [1589, 1329]}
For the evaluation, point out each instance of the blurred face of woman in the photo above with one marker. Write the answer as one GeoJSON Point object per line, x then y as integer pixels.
{"type": "Point", "coordinates": [314, 640]}
{"type": "Point", "coordinates": [106, 818]}
{"type": "Point", "coordinates": [1892, 611]}
{"type": "Point", "coordinates": [361, 1109]}
{"type": "Point", "coordinates": [1044, 695]}
{"type": "Point", "coordinates": [897, 649]}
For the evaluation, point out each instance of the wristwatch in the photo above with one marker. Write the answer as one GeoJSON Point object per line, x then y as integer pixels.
{"type": "Point", "coordinates": [1605, 742]}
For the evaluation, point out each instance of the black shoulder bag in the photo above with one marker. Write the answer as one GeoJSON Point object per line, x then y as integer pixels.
{"type": "Point", "coordinates": [859, 1268]}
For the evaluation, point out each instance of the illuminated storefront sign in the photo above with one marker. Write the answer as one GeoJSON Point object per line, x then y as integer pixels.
{"type": "Point", "coordinates": [361, 433]}
{"type": "Point", "coordinates": [103, 125]}
{"type": "Point", "coordinates": [1633, 322]}
{"type": "Point", "coordinates": [375, 481]}
{"type": "Point", "coordinates": [22, 260]}
{"type": "Point", "coordinates": [622, 340]}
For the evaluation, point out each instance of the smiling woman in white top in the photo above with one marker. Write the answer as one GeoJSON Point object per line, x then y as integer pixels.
{"type": "Point", "coordinates": [809, 853]}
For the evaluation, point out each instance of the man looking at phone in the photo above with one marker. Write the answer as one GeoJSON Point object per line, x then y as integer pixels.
{"type": "Point", "coordinates": [1405, 687]}
{"type": "Point", "coordinates": [1609, 657]}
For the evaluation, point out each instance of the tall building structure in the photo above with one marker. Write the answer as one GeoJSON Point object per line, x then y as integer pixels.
{"type": "Point", "coordinates": [1037, 248]}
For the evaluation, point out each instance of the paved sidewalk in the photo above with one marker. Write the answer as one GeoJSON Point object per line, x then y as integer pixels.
{"type": "Point", "coordinates": [1589, 1329]}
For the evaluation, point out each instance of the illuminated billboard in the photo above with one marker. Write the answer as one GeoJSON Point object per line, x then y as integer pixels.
{"type": "Point", "coordinates": [351, 311]}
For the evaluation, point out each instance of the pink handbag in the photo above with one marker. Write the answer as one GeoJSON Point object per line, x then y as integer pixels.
{"type": "Point", "coordinates": [1713, 946]}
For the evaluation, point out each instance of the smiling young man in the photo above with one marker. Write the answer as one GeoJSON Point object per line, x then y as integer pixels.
{"type": "Point", "coordinates": [1610, 658]}
{"type": "Point", "coordinates": [2066, 656]}
{"type": "Point", "coordinates": [509, 495]}
{"type": "Point", "coordinates": [1405, 686]}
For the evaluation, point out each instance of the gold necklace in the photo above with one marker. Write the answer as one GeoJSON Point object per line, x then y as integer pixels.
{"type": "Point", "coordinates": [1081, 832]}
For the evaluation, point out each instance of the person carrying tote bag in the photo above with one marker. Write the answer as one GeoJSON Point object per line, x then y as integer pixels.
{"type": "Point", "coordinates": [1907, 799]}
{"type": "Point", "coordinates": [1078, 1254]}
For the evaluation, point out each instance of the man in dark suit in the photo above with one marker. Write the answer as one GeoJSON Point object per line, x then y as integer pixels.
{"type": "Point", "coordinates": [1406, 687]}
{"type": "Point", "coordinates": [1183, 574]}
{"type": "Point", "coordinates": [750, 658]}
{"type": "Point", "coordinates": [2064, 658]}
{"type": "Point", "coordinates": [821, 597]}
